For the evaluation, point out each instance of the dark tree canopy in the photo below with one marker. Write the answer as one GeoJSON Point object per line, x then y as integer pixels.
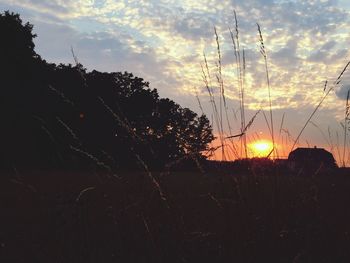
{"type": "Point", "coordinates": [61, 116]}
{"type": "Point", "coordinates": [17, 41]}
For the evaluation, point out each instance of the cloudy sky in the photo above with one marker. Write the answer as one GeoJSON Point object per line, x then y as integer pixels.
{"type": "Point", "coordinates": [307, 43]}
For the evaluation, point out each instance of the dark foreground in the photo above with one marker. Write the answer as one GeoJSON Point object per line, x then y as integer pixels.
{"type": "Point", "coordinates": [76, 217]}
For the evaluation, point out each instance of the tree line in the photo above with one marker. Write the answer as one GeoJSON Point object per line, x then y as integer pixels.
{"type": "Point", "coordinates": [62, 116]}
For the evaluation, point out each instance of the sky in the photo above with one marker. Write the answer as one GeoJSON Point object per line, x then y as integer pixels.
{"type": "Point", "coordinates": [163, 41]}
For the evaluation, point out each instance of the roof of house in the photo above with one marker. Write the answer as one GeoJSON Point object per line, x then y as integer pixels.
{"type": "Point", "coordinates": [311, 154]}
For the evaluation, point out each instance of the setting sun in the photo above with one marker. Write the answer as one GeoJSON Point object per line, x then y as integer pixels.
{"type": "Point", "coordinates": [260, 148]}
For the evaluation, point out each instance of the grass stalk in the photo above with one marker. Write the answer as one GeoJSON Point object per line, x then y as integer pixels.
{"type": "Point", "coordinates": [264, 54]}
{"type": "Point", "coordinates": [335, 84]}
{"type": "Point", "coordinates": [346, 119]}
{"type": "Point", "coordinates": [218, 121]}
{"type": "Point", "coordinates": [222, 89]}
{"type": "Point", "coordinates": [323, 135]}
{"type": "Point", "coordinates": [240, 72]}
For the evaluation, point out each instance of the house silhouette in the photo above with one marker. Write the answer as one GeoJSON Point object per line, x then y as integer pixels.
{"type": "Point", "coordinates": [311, 161]}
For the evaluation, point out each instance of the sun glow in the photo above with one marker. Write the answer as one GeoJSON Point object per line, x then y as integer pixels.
{"type": "Point", "coordinates": [260, 148]}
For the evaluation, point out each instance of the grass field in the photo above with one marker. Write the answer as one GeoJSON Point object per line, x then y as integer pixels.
{"type": "Point", "coordinates": [82, 217]}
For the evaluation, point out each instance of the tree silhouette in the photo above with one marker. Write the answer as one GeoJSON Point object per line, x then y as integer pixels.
{"type": "Point", "coordinates": [61, 116]}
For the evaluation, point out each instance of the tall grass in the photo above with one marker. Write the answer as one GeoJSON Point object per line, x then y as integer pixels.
{"type": "Point", "coordinates": [240, 71]}
{"type": "Point", "coordinates": [220, 105]}
{"type": "Point", "coordinates": [220, 108]}
{"type": "Point", "coordinates": [264, 54]}
{"type": "Point", "coordinates": [216, 115]}
{"type": "Point", "coordinates": [222, 99]}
